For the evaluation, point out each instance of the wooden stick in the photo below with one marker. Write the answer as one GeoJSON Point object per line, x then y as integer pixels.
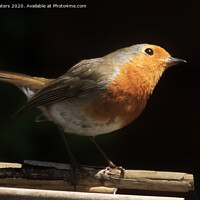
{"type": "Point", "coordinates": [30, 194]}
{"type": "Point", "coordinates": [58, 176]}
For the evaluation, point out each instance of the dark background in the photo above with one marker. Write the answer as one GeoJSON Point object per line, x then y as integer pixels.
{"type": "Point", "coordinates": [46, 43]}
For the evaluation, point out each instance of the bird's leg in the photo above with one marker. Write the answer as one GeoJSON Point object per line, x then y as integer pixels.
{"type": "Point", "coordinates": [110, 163]}
{"type": "Point", "coordinates": [75, 165]}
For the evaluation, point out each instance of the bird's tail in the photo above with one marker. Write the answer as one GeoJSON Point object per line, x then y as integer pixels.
{"type": "Point", "coordinates": [34, 83]}
{"type": "Point", "coordinates": [24, 82]}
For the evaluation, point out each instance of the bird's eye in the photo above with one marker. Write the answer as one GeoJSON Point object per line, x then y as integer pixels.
{"type": "Point", "coordinates": [149, 51]}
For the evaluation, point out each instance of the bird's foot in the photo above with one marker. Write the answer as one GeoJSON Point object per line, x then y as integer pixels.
{"type": "Point", "coordinates": [76, 168]}
{"type": "Point", "coordinates": [112, 166]}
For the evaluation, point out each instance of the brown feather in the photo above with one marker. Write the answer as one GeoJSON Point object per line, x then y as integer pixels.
{"type": "Point", "coordinates": [34, 83]}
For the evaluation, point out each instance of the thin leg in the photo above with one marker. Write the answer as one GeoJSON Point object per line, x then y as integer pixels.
{"type": "Point", "coordinates": [110, 163]}
{"type": "Point", "coordinates": [74, 163]}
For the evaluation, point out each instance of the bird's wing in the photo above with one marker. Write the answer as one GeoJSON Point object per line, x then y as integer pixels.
{"type": "Point", "coordinates": [68, 86]}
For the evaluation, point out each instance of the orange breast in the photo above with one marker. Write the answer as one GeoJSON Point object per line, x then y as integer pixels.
{"type": "Point", "coordinates": [124, 99]}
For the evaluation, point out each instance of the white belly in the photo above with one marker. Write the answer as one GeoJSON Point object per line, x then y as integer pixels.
{"type": "Point", "coordinates": [73, 120]}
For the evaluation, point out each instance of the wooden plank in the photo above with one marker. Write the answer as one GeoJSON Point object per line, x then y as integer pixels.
{"type": "Point", "coordinates": [58, 176]}
{"type": "Point", "coordinates": [30, 194]}
{"type": "Point", "coordinates": [10, 165]}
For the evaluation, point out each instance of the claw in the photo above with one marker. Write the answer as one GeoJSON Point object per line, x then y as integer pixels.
{"type": "Point", "coordinates": [122, 170]}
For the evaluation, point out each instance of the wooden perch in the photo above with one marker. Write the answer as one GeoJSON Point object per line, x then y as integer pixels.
{"type": "Point", "coordinates": [31, 194]}
{"type": "Point", "coordinates": [58, 176]}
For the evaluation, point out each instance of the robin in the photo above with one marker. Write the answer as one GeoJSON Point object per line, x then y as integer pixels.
{"type": "Point", "coordinates": [96, 96]}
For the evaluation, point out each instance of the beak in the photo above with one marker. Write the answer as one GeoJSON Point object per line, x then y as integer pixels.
{"type": "Point", "coordinates": [170, 61]}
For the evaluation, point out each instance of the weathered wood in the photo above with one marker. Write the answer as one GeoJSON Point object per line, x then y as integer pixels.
{"type": "Point", "coordinates": [10, 165]}
{"type": "Point", "coordinates": [31, 194]}
{"type": "Point", "coordinates": [58, 176]}
{"type": "Point", "coordinates": [54, 185]}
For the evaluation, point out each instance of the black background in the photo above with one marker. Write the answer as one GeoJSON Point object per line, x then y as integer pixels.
{"type": "Point", "coordinates": [47, 42]}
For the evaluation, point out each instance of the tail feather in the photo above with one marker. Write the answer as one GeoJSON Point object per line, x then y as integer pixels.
{"type": "Point", "coordinates": [29, 85]}
{"type": "Point", "coordinates": [25, 81]}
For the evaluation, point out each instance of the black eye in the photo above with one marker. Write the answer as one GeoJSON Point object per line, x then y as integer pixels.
{"type": "Point", "coordinates": [149, 51]}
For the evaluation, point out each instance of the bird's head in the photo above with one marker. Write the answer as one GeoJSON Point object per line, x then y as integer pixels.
{"type": "Point", "coordinates": [140, 66]}
{"type": "Point", "coordinates": [147, 56]}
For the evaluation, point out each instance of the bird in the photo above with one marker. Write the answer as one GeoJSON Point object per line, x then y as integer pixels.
{"type": "Point", "coordinates": [96, 96]}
